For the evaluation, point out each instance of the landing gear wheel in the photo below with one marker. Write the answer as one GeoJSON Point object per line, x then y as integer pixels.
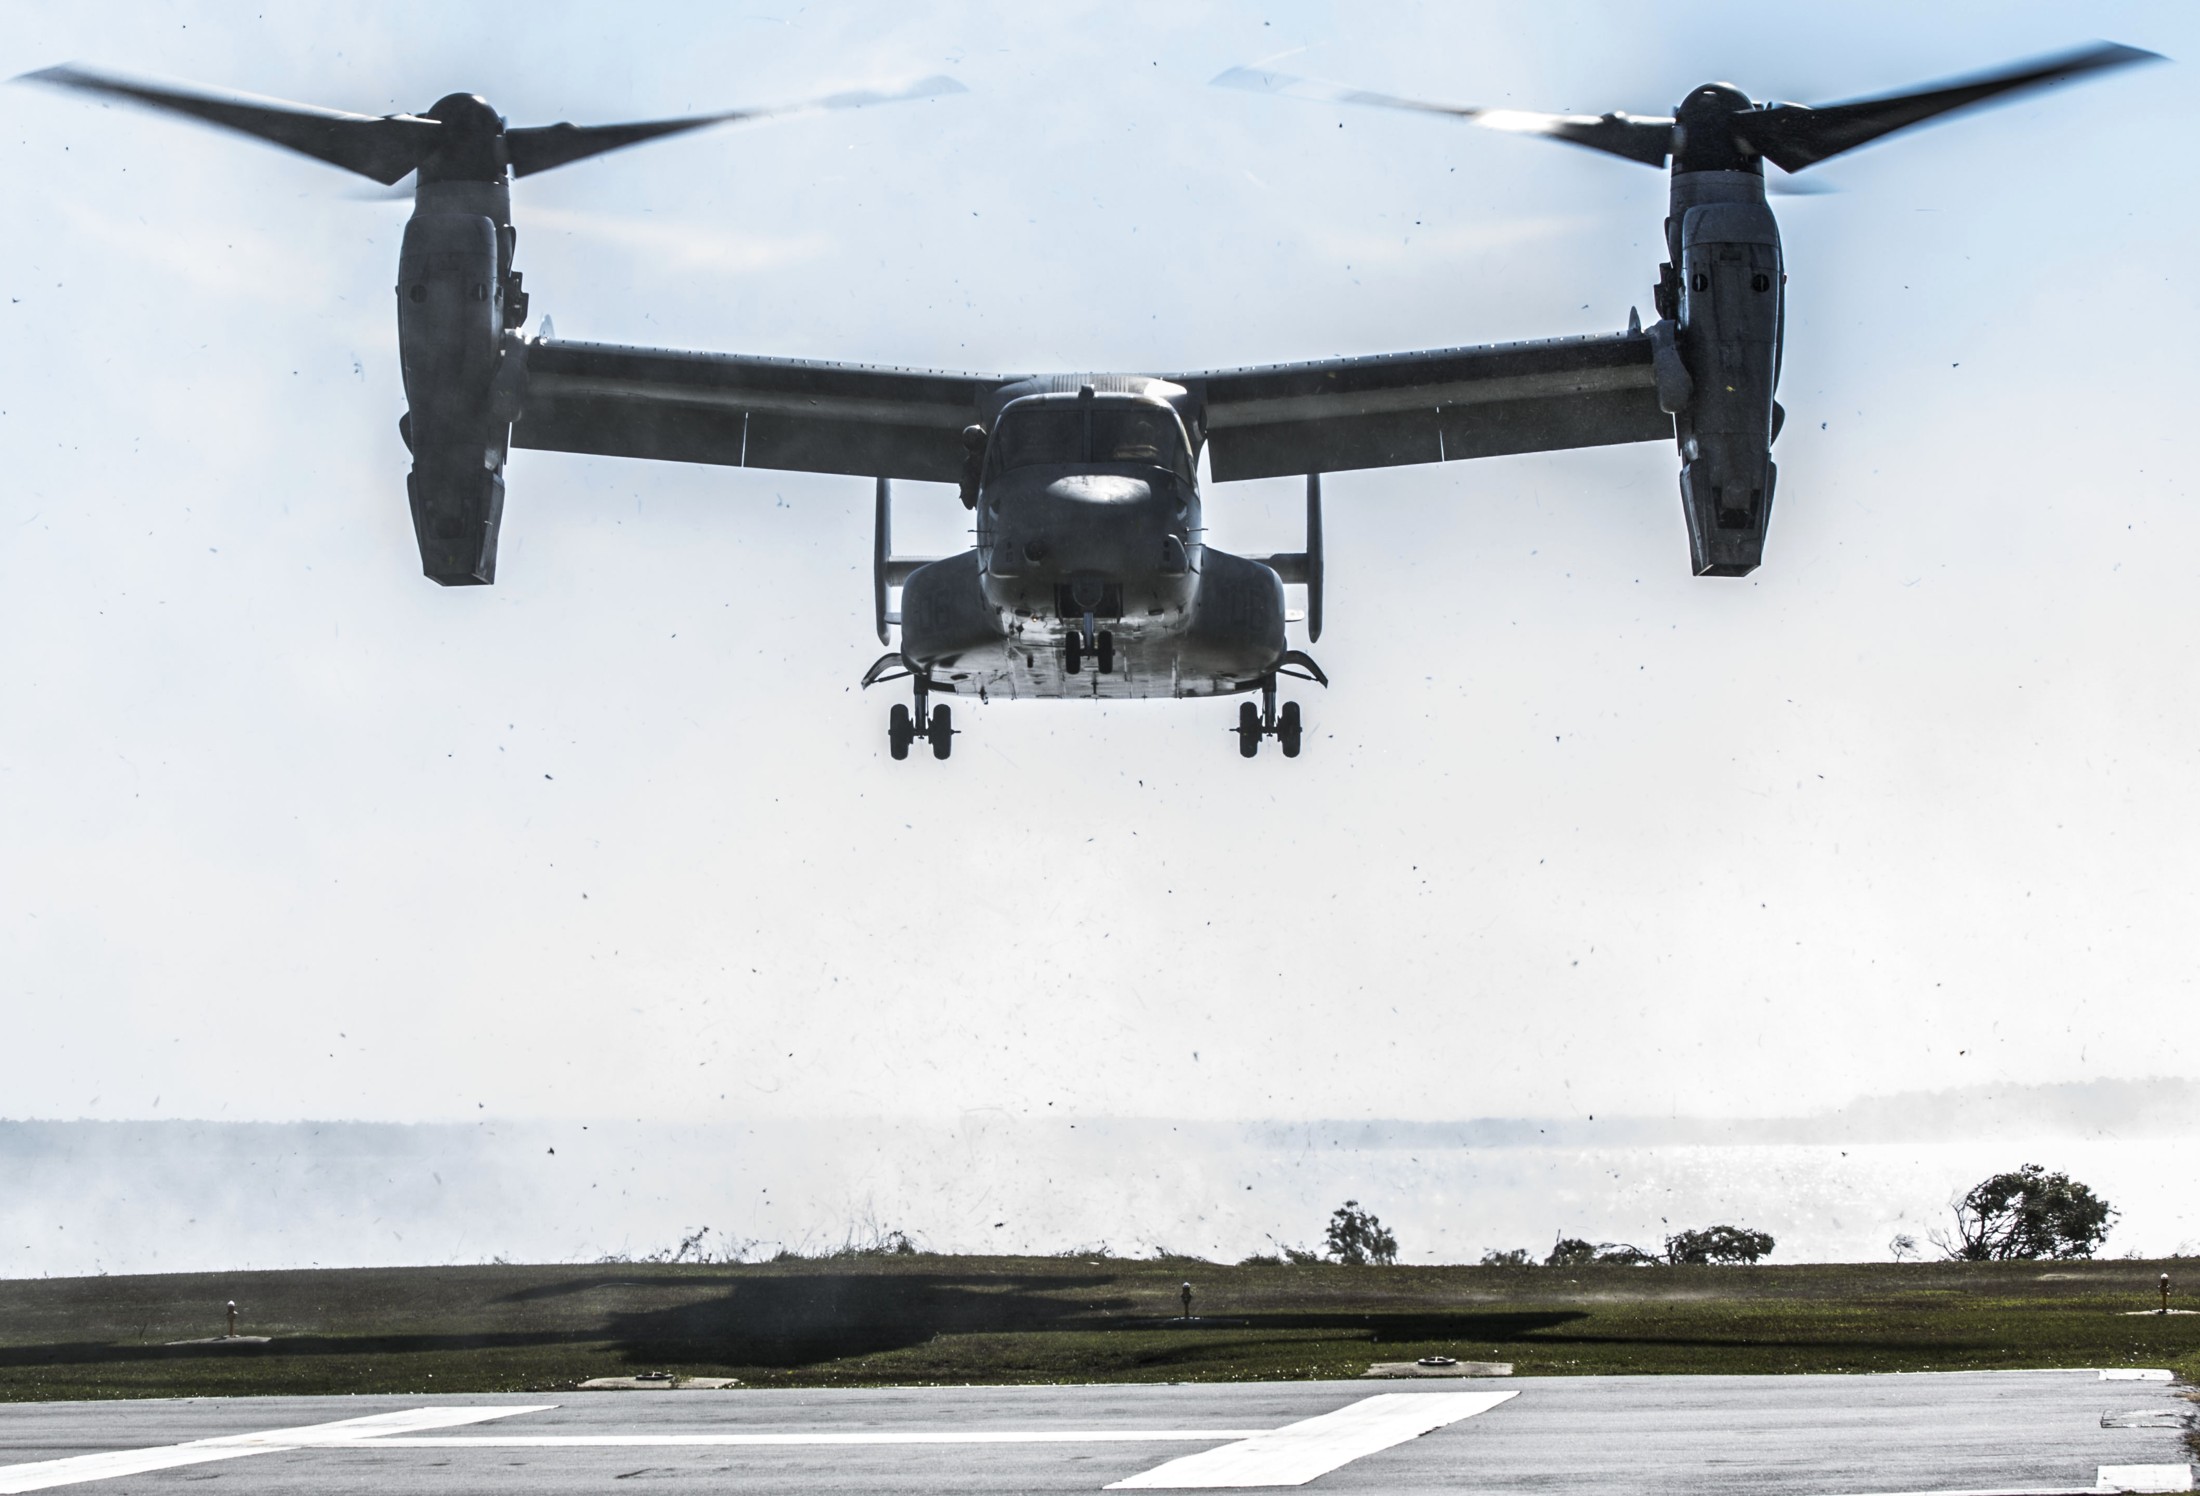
{"type": "Point", "coordinates": [1248, 730]}
{"type": "Point", "coordinates": [1106, 643]}
{"type": "Point", "coordinates": [1288, 729]}
{"type": "Point", "coordinates": [900, 731]}
{"type": "Point", "coordinates": [942, 732]}
{"type": "Point", "coordinates": [1073, 654]}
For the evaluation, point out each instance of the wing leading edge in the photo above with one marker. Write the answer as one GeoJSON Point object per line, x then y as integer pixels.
{"type": "Point", "coordinates": [1326, 416]}
{"type": "Point", "coordinates": [1440, 406]}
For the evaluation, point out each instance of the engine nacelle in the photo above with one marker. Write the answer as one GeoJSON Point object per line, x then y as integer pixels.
{"type": "Point", "coordinates": [1730, 314]}
{"type": "Point", "coordinates": [451, 343]}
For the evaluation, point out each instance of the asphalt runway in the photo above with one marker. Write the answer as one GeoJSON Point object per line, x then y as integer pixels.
{"type": "Point", "coordinates": [1823, 1435]}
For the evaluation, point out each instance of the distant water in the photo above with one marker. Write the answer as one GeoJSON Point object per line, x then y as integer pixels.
{"type": "Point", "coordinates": [87, 1197]}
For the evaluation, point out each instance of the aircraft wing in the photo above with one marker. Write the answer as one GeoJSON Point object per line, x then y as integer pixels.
{"type": "Point", "coordinates": [747, 412]}
{"type": "Point", "coordinates": [1440, 406]}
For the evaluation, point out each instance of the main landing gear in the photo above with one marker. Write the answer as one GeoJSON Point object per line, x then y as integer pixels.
{"type": "Point", "coordinates": [1098, 643]}
{"type": "Point", "coordinates": [904, 727]}
{"type": "Point", "coordinates": [1265, 720]}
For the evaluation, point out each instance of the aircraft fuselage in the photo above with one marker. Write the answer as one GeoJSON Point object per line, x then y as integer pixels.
{"type": "Point", "coordinates": [1089, 577]}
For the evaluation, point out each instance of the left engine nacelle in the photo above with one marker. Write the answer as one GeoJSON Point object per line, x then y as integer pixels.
{"type": "Point", "coordinates": [451, 343]}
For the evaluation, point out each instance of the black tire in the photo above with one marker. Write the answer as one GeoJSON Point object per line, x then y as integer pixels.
{"type": "Point", "coordinates": [1288, 729]}
{"type": "Point", "coordinates": [943, 731]}
{"type": "Point", "coordinates": [1248, 730]}
{"type": "Point", "coordinates": [1073, 654]}
{"type": "Point", "coordinates": [1106, 641]}
{"type": "Point", "coordinates": [900, 731]}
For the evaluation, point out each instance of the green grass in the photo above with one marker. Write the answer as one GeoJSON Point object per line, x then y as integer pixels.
{"type": "Point", "coordinates": [868, 1321]}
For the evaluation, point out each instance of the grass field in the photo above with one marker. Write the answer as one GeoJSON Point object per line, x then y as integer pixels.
{"type": "Point", "coordinates": [917, 1319]}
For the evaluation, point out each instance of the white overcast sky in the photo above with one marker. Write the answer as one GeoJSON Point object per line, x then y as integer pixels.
{"type": "Point", "coordinates": [286, 830]}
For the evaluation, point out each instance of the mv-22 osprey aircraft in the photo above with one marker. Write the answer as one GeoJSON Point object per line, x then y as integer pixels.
{"type": "Point", "coordinates": [1090, 577]}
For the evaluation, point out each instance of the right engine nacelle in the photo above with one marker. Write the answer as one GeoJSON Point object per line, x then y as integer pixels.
{"type": "Point", "coordinates": [450, 337]}
{"type": "Point", "coordinates": [1731, 291]}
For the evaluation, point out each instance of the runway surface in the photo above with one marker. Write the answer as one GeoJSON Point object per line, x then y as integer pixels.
{"type": "Point", "coordinates": [1823, 1435]}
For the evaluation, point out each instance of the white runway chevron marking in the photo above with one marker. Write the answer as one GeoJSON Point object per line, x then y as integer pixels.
{"type": "Point", "coordinates": [74, 1470]}
{"type": "Point", "coordinates": [1299, 1452]}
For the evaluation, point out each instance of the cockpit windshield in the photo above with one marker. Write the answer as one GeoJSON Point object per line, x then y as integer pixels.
{"type": "Point", "coordinates": [1090, 431]}
{"type": "Point", "coordinates": [1032, 438]}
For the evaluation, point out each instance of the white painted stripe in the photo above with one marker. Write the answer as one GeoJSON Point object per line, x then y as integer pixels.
{"type": "Point", "coordinates": [2135, 1374]}
{"type": "Point", "coordinates": [2144, 1478]}
{"type": "Point", "coordinates": [75, 1469]}
{"type": "Point", "coordinates": [2004, 1491]}
{"type": "Point", "coordinates": [881, 1436]}
{"type": "Point", "coordinates": [2107, 1480]}
{"type": "Point", "coordinates": [1299, 1452]}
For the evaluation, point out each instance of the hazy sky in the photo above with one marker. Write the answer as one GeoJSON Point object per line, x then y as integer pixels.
{"type": "Point", "coordinates": [286, 830]}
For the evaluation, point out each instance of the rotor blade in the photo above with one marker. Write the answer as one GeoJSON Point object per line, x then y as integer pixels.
{"type": "Point", "coordinates": [541, 147]}
{"type": "Point", "coordinates": [1629, 136]}
{"type": "Point", "coordinates": [1794, 136]}
{"type": "Point", "coordinates": [384, 148]}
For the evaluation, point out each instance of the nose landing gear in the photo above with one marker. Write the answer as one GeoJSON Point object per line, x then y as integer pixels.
{"type": "Point", "coordinates": [1089, 640]}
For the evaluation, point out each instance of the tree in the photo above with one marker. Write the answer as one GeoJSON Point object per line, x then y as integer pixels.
{"type": "Point", "coordinates": [1509, 1257]}
{"type": "Point", "coordinates": [2027, 1213]}
{"type": "Point", "coordinates": [1357, 1238]}
{"type": "Point", "coordinates": [1717, 1246]}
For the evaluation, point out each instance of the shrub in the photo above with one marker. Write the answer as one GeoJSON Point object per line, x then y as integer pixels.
{"type": "Point", "coordinates": [2027, 1213]}
{"type": "Point", "coordinates": [1510, 1257]}
{"type": "Point", "coordinates": [1356, 1238]}
{"type": "Point", "coordinates": [1571, 1251]}
{"type": "Point", "coordinates": [1717, 1246]}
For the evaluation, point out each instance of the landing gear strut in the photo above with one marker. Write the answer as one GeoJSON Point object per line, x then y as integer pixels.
{"type": "Point", "coordinates": [904, 727]}
{"type": "Point", "coordinates": [1265, 721]}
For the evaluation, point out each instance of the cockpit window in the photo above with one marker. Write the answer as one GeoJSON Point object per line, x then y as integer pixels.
{"type": "Point", "coordinates": [1090, 431]}
{"type": "Point", "coordinates": [1031, 438]}
{"type": "Point", "coordinates": [1133, 435]}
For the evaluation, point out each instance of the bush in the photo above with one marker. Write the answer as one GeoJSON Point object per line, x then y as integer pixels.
{"type": "Point", "coordinates": [1572, 1251]}
{"type": "Point", "coordinates": [1356, 1238]}
{"type": "Point", "coordinates": [1510, 1257]}
{"type": "Point", "coordinates": [1717, 1246]}
{"type": "Point", "coordinates": [2027, 1213]}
